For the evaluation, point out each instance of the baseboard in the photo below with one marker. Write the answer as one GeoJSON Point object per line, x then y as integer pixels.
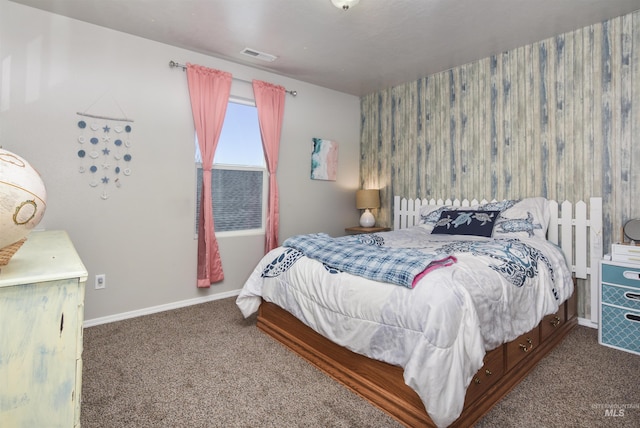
{"type": "Point", "coordinates": [159, 308]}
{"type": "Point", "coordinates": [587, 323]}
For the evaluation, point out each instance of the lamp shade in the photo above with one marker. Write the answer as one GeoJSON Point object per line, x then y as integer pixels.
{"type": "Point", "coordinates": [367, 198]}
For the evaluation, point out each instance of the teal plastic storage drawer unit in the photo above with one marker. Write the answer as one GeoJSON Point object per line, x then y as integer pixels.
{"type": "Point", "coordinates": [620, 306]}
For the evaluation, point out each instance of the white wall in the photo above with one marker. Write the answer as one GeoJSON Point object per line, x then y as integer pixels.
{"type": "Point", "coordinates": [142, 236]}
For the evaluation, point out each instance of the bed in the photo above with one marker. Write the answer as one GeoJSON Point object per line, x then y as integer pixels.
{"type": "Point", "coordinates": [468, 297]}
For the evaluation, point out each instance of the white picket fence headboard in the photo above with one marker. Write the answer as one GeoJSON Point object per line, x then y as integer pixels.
{"type": "Point", "coordinates": [576, 228]}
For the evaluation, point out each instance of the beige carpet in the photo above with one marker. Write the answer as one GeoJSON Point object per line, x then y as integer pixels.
{"type": "Point", "coordinates": [205, 366]}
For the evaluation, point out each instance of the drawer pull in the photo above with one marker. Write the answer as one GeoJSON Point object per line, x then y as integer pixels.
{"type": "Point", "coordinates": [555, 321]}
{"type": "Point", "coordinates": [632, 317]}
{"type": "Point", "coordinates": [476, 380]}
{"type": "Point", "coordinates": [526, 348]}
{"type": "Point", "coordinates": [488, 372]}
{"type": "Point", "coordinates": [632, 296]}
{"type": "Point", "coordinates": [629, 274]}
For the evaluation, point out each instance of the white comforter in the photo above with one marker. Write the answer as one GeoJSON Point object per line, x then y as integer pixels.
{"type": "Point", "coordinates": [438, 331]}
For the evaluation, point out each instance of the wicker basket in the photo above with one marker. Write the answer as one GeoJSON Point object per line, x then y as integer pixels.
{"type": "Point", "coordinates": [7, 252]}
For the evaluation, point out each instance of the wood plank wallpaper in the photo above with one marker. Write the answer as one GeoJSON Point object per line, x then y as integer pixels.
{"type": "Point", "coordinates": [554, 119]}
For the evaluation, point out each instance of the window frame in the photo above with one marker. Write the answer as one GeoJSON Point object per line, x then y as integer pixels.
{"type": "Point", "coordinates": [265, 185]}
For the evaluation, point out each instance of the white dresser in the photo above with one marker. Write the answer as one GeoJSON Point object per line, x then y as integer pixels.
{"type": "Point", "coordinates": [41, 316]}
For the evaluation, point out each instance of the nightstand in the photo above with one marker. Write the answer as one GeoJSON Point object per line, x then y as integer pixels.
{"type": "Point", "coordinates": [355, 230]}
{"type": "Point", "coordinates": [620, 306]}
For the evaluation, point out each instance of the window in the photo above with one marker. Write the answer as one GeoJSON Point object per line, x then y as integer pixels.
{"type": "Point", "coordinates": [239, 176]}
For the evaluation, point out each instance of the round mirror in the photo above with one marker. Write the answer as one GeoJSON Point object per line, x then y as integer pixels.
{"type": "Point", "coordinates": [632, 229]}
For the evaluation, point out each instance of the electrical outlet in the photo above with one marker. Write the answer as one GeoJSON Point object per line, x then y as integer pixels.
{"type": "Point", "coordinates": [101, 281]}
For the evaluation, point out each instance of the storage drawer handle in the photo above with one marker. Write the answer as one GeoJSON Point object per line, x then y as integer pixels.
{"type": "Point", "coordinates": [632, 317]}
{"type": "Point", "coordinates": [629, 274]}
{"type": "Point", "coordinates": [555, 321]}
{"type": "Point", "coordinates": [477, 380]}
{"type": "Point", "coordinates": [526, 348]}
{"type": "Point", "coordinates": [632, 296]}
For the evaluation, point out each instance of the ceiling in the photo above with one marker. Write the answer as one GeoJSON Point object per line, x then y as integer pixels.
{"type": "Point", "coordinates": [374, 45]}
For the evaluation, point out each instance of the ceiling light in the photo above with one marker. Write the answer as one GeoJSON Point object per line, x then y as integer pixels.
{"type": "Point", "coordinates": [344, 4]}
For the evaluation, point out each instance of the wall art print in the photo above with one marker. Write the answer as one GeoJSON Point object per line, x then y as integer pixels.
{"type": "Point", "coordinates": [324, 160]}
{"type": "Point", "coordinates": [104, 152]}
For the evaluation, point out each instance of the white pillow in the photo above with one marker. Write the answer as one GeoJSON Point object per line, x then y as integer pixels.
{"type": "Point", "coordinates": [430, 214]}
{"type": "Point", "coordinates": [526, 218]}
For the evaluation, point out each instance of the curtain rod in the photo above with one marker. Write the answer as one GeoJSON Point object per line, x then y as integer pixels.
{"type": "Point", "coordinates": [173, 64]}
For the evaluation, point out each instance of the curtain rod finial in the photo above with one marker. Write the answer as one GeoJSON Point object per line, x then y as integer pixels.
{"type": "Point", "coordinates": [174, 64]}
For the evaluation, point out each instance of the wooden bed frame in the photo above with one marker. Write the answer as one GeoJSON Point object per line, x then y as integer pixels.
{"type": "Point", "coordinates": [383, 385]}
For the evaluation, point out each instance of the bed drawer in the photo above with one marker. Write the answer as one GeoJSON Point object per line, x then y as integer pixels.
{"type": "Point", "coordinates": [552, 322]}
{"type": "Point", "coordinates": [521, 347]}
{"type": "Point", "coordinates": [620, 328]}
{"type": "Point", "coordinates": [488, 375]}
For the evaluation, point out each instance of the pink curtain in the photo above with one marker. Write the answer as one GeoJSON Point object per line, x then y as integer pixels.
{"type": "Point", "coordinates": [270, 105]}
{"type": "Point", "coordinates": [209, 92]}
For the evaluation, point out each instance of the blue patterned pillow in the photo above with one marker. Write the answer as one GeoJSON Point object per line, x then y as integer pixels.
{"type": "Point", "coordinates": [526, 218]}
{"type": "Point", "coordinates": [466, 222]}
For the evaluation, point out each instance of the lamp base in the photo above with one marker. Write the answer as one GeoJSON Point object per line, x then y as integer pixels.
{"type": "Point", "coordinates": [367, 219]}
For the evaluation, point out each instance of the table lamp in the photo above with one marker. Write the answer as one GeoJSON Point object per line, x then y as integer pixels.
{"type": "Point", "coordinates": [367, 199]}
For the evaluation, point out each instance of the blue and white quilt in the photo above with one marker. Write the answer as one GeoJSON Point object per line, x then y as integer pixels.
{"type": "Point", "coordinates": [439, 330]}
{"type": "Point", "coordinates": [367, 256]}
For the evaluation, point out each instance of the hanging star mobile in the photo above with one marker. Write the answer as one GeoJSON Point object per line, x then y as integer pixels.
{"type": "Point", "coordinates": [114, 157]}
